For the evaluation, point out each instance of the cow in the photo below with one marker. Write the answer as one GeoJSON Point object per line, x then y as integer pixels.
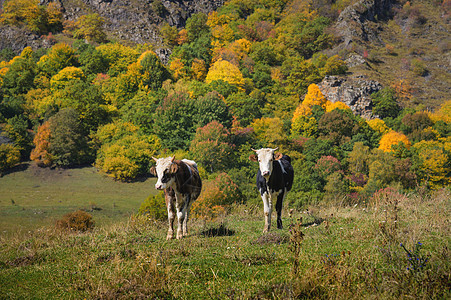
{"type": "Point", "coordinates": [181, 183]}
{"type": "Point", "coordinates": [274, 179]}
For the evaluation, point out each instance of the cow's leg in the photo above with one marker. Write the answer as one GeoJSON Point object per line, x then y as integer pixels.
{"type": "Point", "coordinates": [267, 208]}
{"type": "Point", "coordinates": [180, 205]}
{"type": "Point", "coordinates": [171, 216]}
{"type": "Point", "coordinates": [279, 205]}
{"type": "Point", "coordinates": [186, 208]}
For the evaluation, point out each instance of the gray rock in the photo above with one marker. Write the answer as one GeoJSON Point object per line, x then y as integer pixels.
{"type": "Point", "coordinates": [354, 91]}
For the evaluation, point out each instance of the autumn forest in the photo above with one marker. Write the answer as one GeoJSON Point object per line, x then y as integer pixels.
{"type": "Point", "coordinates": [244, 76]}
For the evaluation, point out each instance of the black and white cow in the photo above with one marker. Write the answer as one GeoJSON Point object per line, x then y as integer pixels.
{"type": "Point", "coordinates": [274, 180]}
{"type": "Point", "coordinates": [181, 183]}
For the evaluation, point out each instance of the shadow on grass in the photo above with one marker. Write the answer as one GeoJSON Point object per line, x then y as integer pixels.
{"type": "Point", "coordinates": [221, 230]}
{"type": "Point", "coordinates": [19, 168]}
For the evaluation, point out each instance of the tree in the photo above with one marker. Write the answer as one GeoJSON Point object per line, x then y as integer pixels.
{"type": "Point", "coordinates": [90, 27]}
{"type": "Point", "coordinates": [299, 74]}
{"type": "Point", "coordinates": [393, 138]}
{"type": "Point", "coordinates": [63, 78]}
{"type": "Point", "coordinates": [35, 17]}
{"type": "Point", "coordinates": [211, 147]}
{"type": "Point", "coordinates": [338, 125]}
{"type": "Point", "coordinates": [385, 104]}
{"type": "Point", "coordinates": [433, 160]}
{"type": "Point", "coordinates": [153, 72]}
{"type": "Point", "coordinates": [9, 156]}
{"type": "Point", "coordinates": [41, 152]}
{"type": "Point", "coordinates": [211, 107]}
{"type": "Point", "coordinates": [59, 57]}
{"type": "Point", "coordinates": [269, 131]}
{"type": "Point", "coordinates": [196, 26]}
{"type": "Point", "coordinates": [19, 78]}
{"type": "Point", "coordinates": [378, 125]}
{"type": "Point", "coordinates": [125, 152]}
{"type": "Point", "coordinates": [174, 121]}
{"type": "Point", "coordinates": [216, 197]}
{"type": "Point", "coordinates": [118, 57]}
{"type": "Point", "coordinates": [314, 97]}
{"type": "Point", "coordinates": [91, 60]}
{"type": "Point", "coordinates": [223, 70]}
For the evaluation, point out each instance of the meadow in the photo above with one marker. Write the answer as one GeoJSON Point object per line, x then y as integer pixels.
{"type": "Point", "coordinates": [390, 246]}
{"type": "Point", "coordinates": [31, 197]}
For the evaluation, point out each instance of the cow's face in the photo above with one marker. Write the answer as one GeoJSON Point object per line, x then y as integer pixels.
{"type": "Point", "coordinates": [265, 158]}
{"type": "Point", "coordinates": [165, 170]}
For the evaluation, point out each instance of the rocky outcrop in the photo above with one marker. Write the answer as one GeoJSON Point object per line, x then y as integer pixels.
{"type": "Point", "coordinates": [138, 20]}
{"type": "Point", "coordinates": [135, 21]}
{"type": "Point", "coordinates": [17, 39]}
{"type": "Point", "coordinates": [355, 91]}
{"type": "Point", "coordinates": [357, 22]}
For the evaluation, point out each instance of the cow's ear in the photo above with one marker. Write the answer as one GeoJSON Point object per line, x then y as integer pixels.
{"type": "Point", "coordinates": [278, 156]}
{"type": "Point", "coordinates": [253, 157]}
{"type": "Point", "coordinates": [153, 171]}
{"type": "Point", "coordinates": [173, 168]}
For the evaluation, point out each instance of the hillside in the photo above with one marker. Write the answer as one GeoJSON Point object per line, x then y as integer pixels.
{"type": "Point", "coordinates": [401, 44]}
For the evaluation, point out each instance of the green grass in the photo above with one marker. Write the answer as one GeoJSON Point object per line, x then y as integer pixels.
{"type": "Point", "coordinates": [346, 253]}
{"type": "Point", "coordinates": [39, 196]}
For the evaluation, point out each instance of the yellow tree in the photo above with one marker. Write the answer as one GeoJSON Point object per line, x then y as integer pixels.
{"type": "Point", "coordinates": [393, 138]}
{"type": "Point", "coordinates": [224, 70]}
{"type": "Point", "coordinates": [378, 125]}
{"type": "Point", "coordinates": [59, 81]}
{"type": "Point", "coordinates": [269, 131]}
{"type": "Point", "coordinates": [443, 113]}
{"type": "Point", "coordinates": [434, 161]}
{"type": "Point", "coordinates": [330, 106]}
{"type": "Point", "coordinates": [178, 69]}
{"type": "Point", "coordinates": [199, 69]}
{"type": "Point", "coordinates": [314, 97]}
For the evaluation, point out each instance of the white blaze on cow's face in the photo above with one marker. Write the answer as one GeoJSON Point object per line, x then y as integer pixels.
{"type": "Point", "coordinates": [265, 158]}
{"type": "Point", "coordinates": [164, 173]}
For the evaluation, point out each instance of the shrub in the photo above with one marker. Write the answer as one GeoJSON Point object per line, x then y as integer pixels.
{"type": "Point", "coordinates": [9, 156]}
{"type": "Point", "coordinates": [76, 221]}
{"type": "Point", "coordinates": [217, 195]}
{"type": "Point", "coordinates": [154, 207]}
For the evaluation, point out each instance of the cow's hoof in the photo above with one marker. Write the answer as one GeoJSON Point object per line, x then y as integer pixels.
{"type": "Point", "coordinates": [169, 237]}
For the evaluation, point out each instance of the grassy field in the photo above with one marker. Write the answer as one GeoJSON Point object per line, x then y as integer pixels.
{"type": "Point", "coordinates": [31, 197]}
{"type": "Point", "coordinates": [322, 253]}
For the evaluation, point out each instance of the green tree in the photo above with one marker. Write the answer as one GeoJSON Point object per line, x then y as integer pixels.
{"type": "Point", "coordinates": [385, 104]}
{"type": "Point", "coordinates": [91, 60]}
{"type": "Point", "coordinates": [19, 78]}
{"type": "Point", "coordinates": [211, 107]}
{"type": "Point", "coordinates": [196, 26]}
{"type": "Point", "coordinates": [153, 72]}
{"type": "Point", "coordinates": [68, 139]}
{"type": "Point", "coordinates": [174, 121]}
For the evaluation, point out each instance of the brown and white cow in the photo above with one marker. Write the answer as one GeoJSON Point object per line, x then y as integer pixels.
{"type": "Point", "coordinates": [274, 180]}
{"type": "Point", "coordinates": [181, 183]}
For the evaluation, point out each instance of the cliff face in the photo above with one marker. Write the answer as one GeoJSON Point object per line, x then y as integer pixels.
{"type": "Point", "coordinates": [354, 91]}
{"type": "Point", "coordinates": [138, 20]}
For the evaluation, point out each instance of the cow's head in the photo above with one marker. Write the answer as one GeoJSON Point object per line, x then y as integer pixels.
{"type": "Point", "coordinates": [165, 170]}
{"type": "Point", "coordinates": [265, 158]}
